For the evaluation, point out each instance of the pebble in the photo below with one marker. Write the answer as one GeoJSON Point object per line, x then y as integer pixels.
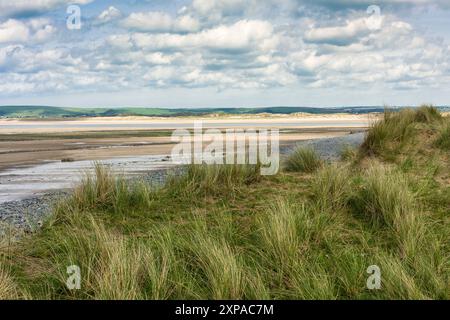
{"type": "Point", "coordinates": [330, 149]}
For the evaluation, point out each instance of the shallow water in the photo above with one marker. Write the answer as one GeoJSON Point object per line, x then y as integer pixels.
{"type": "Point", "coordinates": [23, 183]}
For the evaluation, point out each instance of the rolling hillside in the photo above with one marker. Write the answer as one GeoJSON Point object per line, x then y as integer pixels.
{"type": "Point", "coordinates": [56, 112]}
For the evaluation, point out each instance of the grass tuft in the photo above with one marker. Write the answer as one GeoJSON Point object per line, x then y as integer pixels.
{"type": "Point", "coordinates": [428, 114]}
{"type": "Point", "coordinates": [387, 201]}
{"type": "Point", "coordinates": [214, 179]}
{"type": "Point", "coordinates": [103, 191]}
{"type": "Point", "coordinates": [386, 196]}
{"type": "Point", "coordinates": [8, 287]}
{"type": "Point", "coordinates": [279, 235]}
{"type": "Point", "coordinates": [386, 138]}
{"type": "Point", "coordinates": [222, 268]}
{"type": "Point", "coordinates": [303, 160]}
{"type": "Point", "coordinates": [331, 187]}
{"type": "Point", "coordinates": [443, 139]}
{"type": "Point", "coordinates": [348, 153]}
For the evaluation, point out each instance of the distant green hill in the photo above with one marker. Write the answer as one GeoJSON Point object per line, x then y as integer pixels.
{"type": "Point", "coordinates": [56, 112]}
{"type": "Point", "coordinates": [45, 112]}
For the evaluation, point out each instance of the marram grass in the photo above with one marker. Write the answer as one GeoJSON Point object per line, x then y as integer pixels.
{"type": "Point", "coordinates": [224, 232]}
{"type": "Point", "coordinates": [303, 159]}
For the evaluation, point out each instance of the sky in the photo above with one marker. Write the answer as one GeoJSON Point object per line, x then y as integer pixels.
{"type": "Point", "coordinates": [224, 53]}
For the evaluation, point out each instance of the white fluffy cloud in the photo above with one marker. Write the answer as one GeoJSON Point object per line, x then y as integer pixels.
{"type": "Point", "coordinates": [243, 35]}
{"type": "Point", "coordinates": [339, 4]}
{"type": "Point", "coordinates": [160, 22]}
{"type": "Point", "coordinates": [16, 31]}
{"type": "Point", "coordinates": [237, 55]}
{"type": "Point", "coordinates": [19, 7]}
{"type": "Point", "coordinates": [395, 56]}
{"type": "Point", "coordinates": [13, 31]}
{"type": "Point", "coordinates": [339, 35]}
{"type": "Point", "coordinates": [110, 14]}
{"type": "Point", "coordinates": [221, 44]}
{"type": "Point", "coordinates": [219, 7]}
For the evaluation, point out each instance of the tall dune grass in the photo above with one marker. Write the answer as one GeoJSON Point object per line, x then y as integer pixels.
{"type": "Point", "coordinates": [113, 266]}
{"type": "Point", "coordinates": [348, 153]}
{"type": "Point", "coordinates": [387, 137]}
{"type": "Point", "coordinates": [8, 286]}
{"type": "Point", "coordinates": [303, 159]}
{"type": "Point", "coordinates": [214, 179]}
{"type": "Point", "coordinates": [102, 190]}
{"type": "Point", "coordinates": [221, 267]}
{"type": "Point", "coordinates": [443, 139]}
{"type": "Point", "coordinates": [279, 236]}
{"type": "Point", "coordinates": [427, 114]}
{"type": "Point", "coordinates": [331, 187]}
{"type": "Point", "coordinates": [387, 200]}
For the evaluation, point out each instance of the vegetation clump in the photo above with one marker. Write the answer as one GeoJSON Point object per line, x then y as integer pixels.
{"type": "Point", "coordinates": [388, 137]}
{"type": "Point", "coordinates": [303, 159]}
{"type": "Point", "coordinates": [443, 139]}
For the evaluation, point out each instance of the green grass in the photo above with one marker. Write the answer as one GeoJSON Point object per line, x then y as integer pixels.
{"type": "Point", "coordinates": [388, 203]}
{"type": "Point", "coordinates": [427, 114]}
{"type": "Point", "coordinates": [204, 180]}
{"type": "Point", "coordinates": [349, 153]}
{"type": "Point", "coordinates": [387, 138]}
{"type": "Point", "coordinates": [225, 232]}
{"type": "Point", "coordinates": [443, 140]}
{"type": "Point", "coordinates": [330, 186]}
{"type": "Point", "coordinates": [8, 287]}
{"type": "Point", "coordinates": [303, 159]}
{"type": "Point", "coordinates": [55, 112]}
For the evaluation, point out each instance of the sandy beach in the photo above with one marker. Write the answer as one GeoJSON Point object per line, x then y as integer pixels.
{"type": "Point", "coordinates": [25, 142]}
{"type": "Point", "coordinates": [15, 126]}
{"type": "Point", "coordinates": [41, 155]}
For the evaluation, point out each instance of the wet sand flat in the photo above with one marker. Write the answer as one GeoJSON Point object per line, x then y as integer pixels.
{"type": "Point", "coordinates": [31, 152]}
{"type": "Point", "coordinates": [33, 173]}
{"type": "Point", "coordinates": [28, 142]}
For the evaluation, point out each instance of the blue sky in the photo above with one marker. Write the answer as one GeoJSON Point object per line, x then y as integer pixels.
{"type": "Point", "coordinates": [225, 53]}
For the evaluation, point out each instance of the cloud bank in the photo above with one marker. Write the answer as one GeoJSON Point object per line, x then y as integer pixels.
{"type": "Point", "coordinates": [221, 45]}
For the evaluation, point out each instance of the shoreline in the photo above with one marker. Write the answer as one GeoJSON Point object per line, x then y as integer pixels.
{"type": "Point", "coordinates": [27, 144]}
{"type": "Point", "coordinates": [28, 214]}
{"type": "Point", "coordinates": [16, 152]}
